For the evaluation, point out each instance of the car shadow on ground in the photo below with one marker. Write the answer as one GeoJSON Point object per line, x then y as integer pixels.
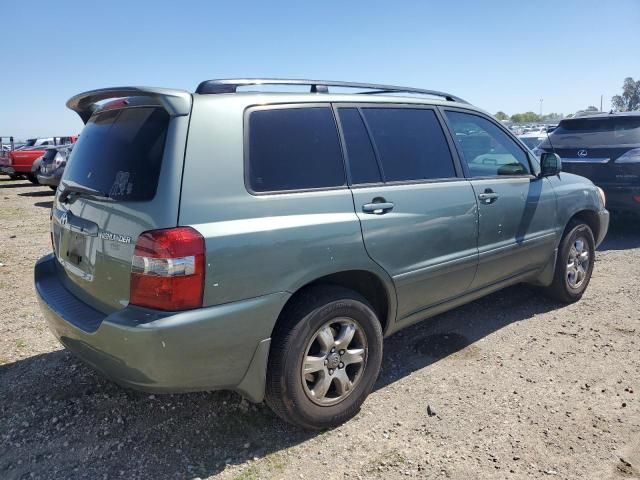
{"type": "Point", "coordinates": [38, 193]}
{"type": "Point", "coordinates": [54, 407]}
{"type": "Point", "coordinates": [48, 204]}
{"type": "Point", "coordinates": [8, 183]}
{"type": "Point", "coordinates": [623, 234]}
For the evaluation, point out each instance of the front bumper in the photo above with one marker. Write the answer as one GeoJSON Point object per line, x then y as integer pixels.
{"type": "Point", "coordinates": [623, 199]}
{"type": "Point", "coordinates": [220, 347]}
{"type": "Point", "coordinates": [603, 218]}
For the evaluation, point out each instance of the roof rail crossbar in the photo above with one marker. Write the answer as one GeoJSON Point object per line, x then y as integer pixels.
{"type": "Point", "coordinates": [316, 86]}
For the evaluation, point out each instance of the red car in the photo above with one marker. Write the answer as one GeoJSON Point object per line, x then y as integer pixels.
{"type": "Point", "coordinates": [20, 162]}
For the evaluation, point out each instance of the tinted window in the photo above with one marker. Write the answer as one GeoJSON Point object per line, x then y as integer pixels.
{"type": "Point", "coordinates": [410, 142]}
{"type": "Point", "coordinates": [294, 148]}
{"type": "Point", "coordinates": [362, 159]}
{"type": "Point", "coordinates": [486, 148]}
{"type": "Point", "coordinates": [585, 132]}
{"type": "Point", "coordinates": [120, 153]}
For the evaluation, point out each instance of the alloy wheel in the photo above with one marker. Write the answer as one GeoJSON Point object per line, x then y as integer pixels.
{"type": "Point", "coordinates": [334, 361]}
{"type": "Point", "coordinates": [578, 262]}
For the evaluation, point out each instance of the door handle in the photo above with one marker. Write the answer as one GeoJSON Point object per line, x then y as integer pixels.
{"type": "Point", "coordinates": [488, 196]}
{"type": "Point", "coordinates": [377, 208]}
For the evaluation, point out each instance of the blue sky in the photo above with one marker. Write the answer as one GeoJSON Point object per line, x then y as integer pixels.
{"type": "Point", "coordinates": [499, 55]}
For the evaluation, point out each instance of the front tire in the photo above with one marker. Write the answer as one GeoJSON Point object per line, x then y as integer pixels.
{"type": "Point", "coordinates": [574, 265]}
{"type": "Point", "coordinates": [325, 357]}
{"type": "Point", "coordinates": [32, 178]}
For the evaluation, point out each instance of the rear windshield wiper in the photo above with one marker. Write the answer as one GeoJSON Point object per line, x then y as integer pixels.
{"type": "Point", "coordinates": [75, 190]}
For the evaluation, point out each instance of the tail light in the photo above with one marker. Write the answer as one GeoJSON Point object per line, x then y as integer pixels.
{"type": "Point", "coordinates": [631, 156]}
{"type": "Point", "coordinates": [167, 269]}
{"type": "Point", "coordinates": [58, 160]}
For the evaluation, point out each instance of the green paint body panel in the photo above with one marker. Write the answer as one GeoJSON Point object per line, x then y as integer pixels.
{"type": "Point", "coordinates": [439, 248]}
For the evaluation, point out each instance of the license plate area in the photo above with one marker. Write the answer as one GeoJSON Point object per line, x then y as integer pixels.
{"type": "Point", "coordinates": [76, 248]}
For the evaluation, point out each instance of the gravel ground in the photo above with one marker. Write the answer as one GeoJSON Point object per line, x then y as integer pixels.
{"type": "Point", "coordinates": [511, 386]}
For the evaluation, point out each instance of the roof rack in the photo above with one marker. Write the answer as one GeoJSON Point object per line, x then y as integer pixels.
{"type": "Point", "coordinates": [231, 85]}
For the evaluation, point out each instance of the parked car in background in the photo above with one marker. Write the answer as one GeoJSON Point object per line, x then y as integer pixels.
{"type": "Point", "coordinates": [532, 139]}
{"type": "Point", "coordinates": [332, 220]}
{"type": "Point", "coordinates": [51, 165]}
{"type": "Point", "coordinates": [604, 148]}
{"type": "Point", "coordinates": [19, 162]}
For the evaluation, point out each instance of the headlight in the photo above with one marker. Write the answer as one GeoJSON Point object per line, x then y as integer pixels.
{"type": "Point", "coordinates": [632, 156]}
{"type": "Point", "coordinates": [603, 198]}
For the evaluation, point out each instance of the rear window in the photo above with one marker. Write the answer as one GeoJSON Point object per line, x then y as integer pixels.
{"type": "Point", "coordinates": [120, 153]}
{"type": "Point", "coordinates": [49, 155]}
{"type": "Point", "coordinates": [294, 149]}
{"type": "Point", "coordinates": [598, 131]}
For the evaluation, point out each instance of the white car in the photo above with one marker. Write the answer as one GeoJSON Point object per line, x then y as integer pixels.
{"type": "Point", "coordinates": [533, 139]}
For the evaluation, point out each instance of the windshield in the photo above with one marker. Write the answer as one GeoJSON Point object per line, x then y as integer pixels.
{"type": "Point", "coordinates": [30, 142]}
{"type": "Point", "coordinates": [120, 153]}
{"type": "Point", "coordinates": [597, 131]}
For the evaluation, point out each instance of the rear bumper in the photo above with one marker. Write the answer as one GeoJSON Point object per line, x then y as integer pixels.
{"type": "Point", "coordinates": [52, 180]}
{"type": "Point", "coordinates": [7, 170]}
{"type": "Point", "coordinates": [221, 347]}
{"type": "Point", "coordinates": [622, 198]}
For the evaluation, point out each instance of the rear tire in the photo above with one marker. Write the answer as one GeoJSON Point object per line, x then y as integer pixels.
{"type": "Point", "coordinates": [325, 357]}
{"type": "Point", "coordinates": [574, 265]}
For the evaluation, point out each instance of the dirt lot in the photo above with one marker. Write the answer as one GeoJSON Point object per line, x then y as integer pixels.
{"type": "Point", "coordinates": [517, 387]}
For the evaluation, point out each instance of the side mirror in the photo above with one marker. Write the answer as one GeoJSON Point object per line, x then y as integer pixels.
{"type": "Point", "coordinates": [550, 164]}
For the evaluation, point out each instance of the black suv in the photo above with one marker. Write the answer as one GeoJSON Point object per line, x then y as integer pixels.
{"type": "Point", "coordinates": [604, 148]}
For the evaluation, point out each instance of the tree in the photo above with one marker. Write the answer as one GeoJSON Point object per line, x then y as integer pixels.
{"type": "Point", "coordinates": [552, 117]}
{"type": "Point", "coordinates": [501, 116]}
{"type": "Point", "coordinates": [528, 117]}
{"type": "Point", "coordinates": [630, 98]}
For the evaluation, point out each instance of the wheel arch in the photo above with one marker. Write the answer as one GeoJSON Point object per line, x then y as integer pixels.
{"type": "Point", "coordinates": [379, 291]}
{"type": "Point", "coordinates": [589, 217]}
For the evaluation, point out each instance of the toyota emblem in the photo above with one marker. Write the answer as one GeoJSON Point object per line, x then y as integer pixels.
{"type": "Point", "coordinates": [582, 153]}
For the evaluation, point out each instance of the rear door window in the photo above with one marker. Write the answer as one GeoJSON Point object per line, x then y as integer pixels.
{"type": "Point", "coordinates": [294, 149]}
{"type": "Point", "coordinates": [120, 153]}
{"type": "Point", "coordinates": [486, 149]}
{"type": "Point", "coordinates": [410, 144]}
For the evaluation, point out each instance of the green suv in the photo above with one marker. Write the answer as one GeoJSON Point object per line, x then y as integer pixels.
{"type": "Point", "coordinates": [266, 242]}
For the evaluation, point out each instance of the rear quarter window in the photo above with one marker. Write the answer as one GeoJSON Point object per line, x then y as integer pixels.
{"type": "Point", "coordinates": [120, 153]}
{"type": "Point", "coordinates": [294, 149]}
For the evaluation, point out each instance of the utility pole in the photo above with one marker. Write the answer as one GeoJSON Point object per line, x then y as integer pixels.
{"type": "Point", "coordinates": [601, 97]}
{"type": "Point", "coordinates": [541, 107]}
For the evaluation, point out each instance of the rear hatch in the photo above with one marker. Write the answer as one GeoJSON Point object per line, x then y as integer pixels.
{"type": "Point", "coordinates": [122, 178]}
{"type": "Point", "coordinates": [604, 149]}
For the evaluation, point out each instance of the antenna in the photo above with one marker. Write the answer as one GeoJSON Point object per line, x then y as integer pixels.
{"type": "Point", "coordinates": [546, 130]}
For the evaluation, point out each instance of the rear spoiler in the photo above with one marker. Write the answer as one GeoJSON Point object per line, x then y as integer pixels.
{"type": "Point", "coordinates": [176, 102]}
